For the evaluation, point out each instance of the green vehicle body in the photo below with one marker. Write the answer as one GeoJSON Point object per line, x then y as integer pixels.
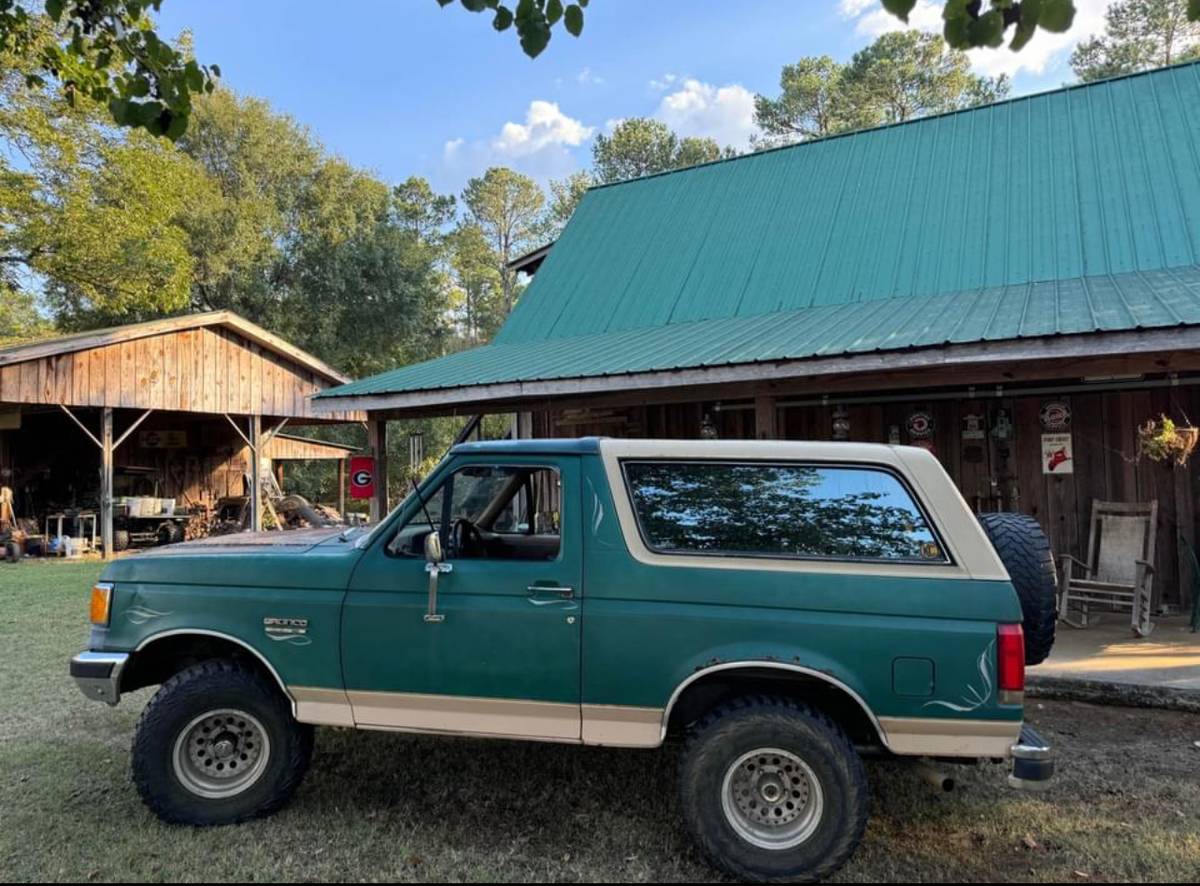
{"type": "Point", "coordinates": [609, 643]}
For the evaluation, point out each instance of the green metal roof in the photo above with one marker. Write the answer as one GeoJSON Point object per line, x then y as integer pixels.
{"type": "Point", "coordinates": [1067, 212]}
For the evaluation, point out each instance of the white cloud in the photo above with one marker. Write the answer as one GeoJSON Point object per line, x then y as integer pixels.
{"type": "Point", "coordinates": [589, 78]}
{"type": "Point", "coordinates": [1045, 52]}
{"type": "Point", "coordinates": [540, 146]}
{"type": "Point", "coordinates": [724, 113]}
{"type": "Point", "coordinates": [545, 126]}
{"type": "Point", "coordinates": [665, 82]}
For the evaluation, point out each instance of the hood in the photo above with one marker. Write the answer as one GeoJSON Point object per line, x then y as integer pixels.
{"type": "Point", "coordinates": [304, 558]}
{"type": "Point", "coordinates": [294, 541]}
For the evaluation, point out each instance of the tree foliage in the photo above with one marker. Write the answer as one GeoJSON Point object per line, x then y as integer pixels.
{"type": "Point", "coordinates": [509, 209]}
{"type": "Point", "coordinates": [1139, 35]}
{"type": "Point", "coordinates": [533, 21]}
{"type": "Point", "coordinates": [477, 294]}
{"type": "Point", "coordinates": [902, 75]}
{"type": "Point", "coordinates": [95, 214]}
{"type": "Point", "coordinates": [108, 52]}
{"type": "Point", "coordinates": [967, 24]}
{"type": "Point", "coordinates": [644, 146]}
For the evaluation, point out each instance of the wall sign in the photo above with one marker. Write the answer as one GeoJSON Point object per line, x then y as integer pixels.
{"type": "Point", "coordinates": [919, 425]}
{"type": "Point", "coordinates": [362, 476]}
{"type": "Point", "coordinates": [841, 424]}
{"type": "Point", "coordinates": [894, 435]}
{"type": "Point", "coordinates": [1058, 456]}
{"type": "Point", "coordinates": [162, 439]}
{"type": "Point", "coordinates": [973, 427]}
{"type": "Point", "coordinates": [1002, 427]}
{"type": "Point", "coordinates": [1055, 416]}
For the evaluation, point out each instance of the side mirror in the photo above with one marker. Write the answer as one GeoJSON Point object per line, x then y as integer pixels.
{"type": "Point", "coordinates": [433, 547]}
{"type": "Point", "coordinates": [435, 567]}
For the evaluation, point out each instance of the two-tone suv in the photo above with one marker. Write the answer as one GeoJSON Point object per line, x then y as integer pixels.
{"type": "Point", "coordinates": [784, 608]}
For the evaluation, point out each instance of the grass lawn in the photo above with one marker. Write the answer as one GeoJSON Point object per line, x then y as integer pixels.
{"type": "Point", "coordinates": [378, 806]}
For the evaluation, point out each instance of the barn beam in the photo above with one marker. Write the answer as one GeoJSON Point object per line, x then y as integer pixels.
{"type": "Point", "coordinates": [106, 482]}
{"type": "Point", "coordinates": [254, 441]}
{"type": "Point", "coordinates": [377, 443]}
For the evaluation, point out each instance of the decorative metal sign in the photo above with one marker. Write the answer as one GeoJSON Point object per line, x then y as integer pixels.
{"type": "Point", "coordinates": [1002, 427]}
{"type": "Point", "coordinates": [920, 425]}
{"type": "Point", "coordinates": [973, 427]}
{"type": "Point", "coordinates": [841, 424]}
{"type": "Point", "coordinates": [894, 435]}
{"type": "Point", "coordinates": [1055, 416]}
{"type": "Point", "coordinates": [1057, 454]}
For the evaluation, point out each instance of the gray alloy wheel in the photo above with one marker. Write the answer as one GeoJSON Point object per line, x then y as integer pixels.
{"type": "Point", "coordinates": [221, 753]}
{"type": "Point", "coordinates": [772, 798]}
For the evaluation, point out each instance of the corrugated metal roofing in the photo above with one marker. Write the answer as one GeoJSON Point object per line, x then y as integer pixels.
{"type": "Point", "coordinates": [1057, 213]}
{"type": "Point", "coordinates": [1137, 300]}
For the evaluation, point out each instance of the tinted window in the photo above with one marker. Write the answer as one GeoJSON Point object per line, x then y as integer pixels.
{"type": "Point", "coordinates": [778, 510]}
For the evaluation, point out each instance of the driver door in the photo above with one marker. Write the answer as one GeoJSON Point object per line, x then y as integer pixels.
{"type": "Point", "coordinates": [505, 661]}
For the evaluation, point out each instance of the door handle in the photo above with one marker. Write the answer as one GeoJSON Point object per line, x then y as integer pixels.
{"type": "Point", "coordinates": [559, 591]}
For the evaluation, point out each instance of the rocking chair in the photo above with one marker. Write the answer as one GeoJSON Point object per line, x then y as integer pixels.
{"type": "Point", "coordinates": [1119, 572]}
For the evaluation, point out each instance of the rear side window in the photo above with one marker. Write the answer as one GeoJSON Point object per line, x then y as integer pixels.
{"type": "Point", "coordinates": [764, 510]}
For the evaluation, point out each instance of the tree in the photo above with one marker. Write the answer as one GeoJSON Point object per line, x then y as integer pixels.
{"type": "Point", "coordinates": [565, 195]}
{"type": "Point", "coordinates": [418, 208]}
{"type": "Point", "coordinates": [1138, 35]}
{"type": "Point", "coordinates": [107, 52]}
{"type": "Point", "coordinates": [91, 217]}
{"type": "Point", "coordinates": [907, 74]}
{"type": "Point", "coordinates": [900, 76]}
{"type": "Point", "coordinates": [509, 209]}
{"type": "Point", "coordinates": [812, 102]}
{"type": "Point", "coordinates": [968, 23]}
{"type": "Point", "coordinates": [477, 297]}
{"type": "Point", "coordinates": [642, 146]}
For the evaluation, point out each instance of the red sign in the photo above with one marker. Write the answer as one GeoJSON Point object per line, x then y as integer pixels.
{"type": "Point", "coordinates": [362, 476]}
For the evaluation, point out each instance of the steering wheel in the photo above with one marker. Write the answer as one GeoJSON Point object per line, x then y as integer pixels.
{"type": "Point", "coordinates": [465, 538]}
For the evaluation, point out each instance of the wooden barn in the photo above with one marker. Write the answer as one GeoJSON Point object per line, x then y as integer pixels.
{"type": "Point", "coordinates": [162, 417]}
{"type": "Point", "coordinates": [1015, 287]}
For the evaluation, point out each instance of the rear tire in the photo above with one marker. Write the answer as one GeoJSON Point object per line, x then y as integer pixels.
{"type": "Point", "coordinates": [773, 791]}
{"type": "Point", "coordinates": [1025, 552]}
{"type": "Point", "coordinates": [200, 727]}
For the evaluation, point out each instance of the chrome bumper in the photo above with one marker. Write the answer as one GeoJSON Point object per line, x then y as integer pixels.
{"type": "Point", "coordinates": [1033, 761]}
{"type": "Point", "coordinates": [98, 675]}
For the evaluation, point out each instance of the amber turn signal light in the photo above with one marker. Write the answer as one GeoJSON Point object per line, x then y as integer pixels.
{"type": "Point", "coordinates": [101, 607]}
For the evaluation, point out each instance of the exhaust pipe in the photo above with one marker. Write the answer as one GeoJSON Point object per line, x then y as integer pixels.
{"type": "Point", "coordinates": [934, 777]}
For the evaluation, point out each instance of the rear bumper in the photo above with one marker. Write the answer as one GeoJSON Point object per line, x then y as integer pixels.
{"type": "Point", "coordinates": [98, 675]}
{"type": "Point", "coordinates": [1032, 761]}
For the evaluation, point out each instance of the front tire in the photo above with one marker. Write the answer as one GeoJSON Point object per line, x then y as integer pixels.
{"type": "Point", "coordinates": [217, 745]}
{"type": "Point", "coordinates": [773, 791]}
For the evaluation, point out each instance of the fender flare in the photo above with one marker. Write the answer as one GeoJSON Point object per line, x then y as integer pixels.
{"type": "Point", "coordinates": [771, 665]}
{"type": "Point", "coordinates": [204, 632]}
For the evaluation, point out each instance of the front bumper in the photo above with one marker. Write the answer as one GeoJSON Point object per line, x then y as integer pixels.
{"type": "Point", "coordinates": [1033, 761]}
{"type": "Point", "coordinates": [98, 675]}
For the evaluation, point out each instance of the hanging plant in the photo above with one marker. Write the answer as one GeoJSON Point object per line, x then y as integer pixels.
{"type": "Point", "coordinates": [1164, 441]}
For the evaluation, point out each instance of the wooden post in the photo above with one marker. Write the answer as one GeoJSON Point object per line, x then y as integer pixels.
{"type": "Point", "coordinates": [341, 474]}
{"type": "Point", "coordinates": [765, 418]}
{"type": "Point", "coordinates": [256, 522]}
{"type": "Point", "coordinates": [377, 443]}
{"type": "Point", "coordinates": [106, 482]}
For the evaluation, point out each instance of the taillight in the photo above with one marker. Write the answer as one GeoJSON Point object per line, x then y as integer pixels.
{"type": "Point", "coordinates": [1010, 663]}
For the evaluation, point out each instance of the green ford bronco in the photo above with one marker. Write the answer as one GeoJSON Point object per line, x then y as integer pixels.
{"type": "Point", "coordinates": [784, 609]}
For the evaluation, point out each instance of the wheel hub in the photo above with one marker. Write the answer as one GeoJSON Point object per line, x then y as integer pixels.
{"type": "Point", "coordinates": [221, 753]}
{"type": "Point", "coordinates": [772, 798]}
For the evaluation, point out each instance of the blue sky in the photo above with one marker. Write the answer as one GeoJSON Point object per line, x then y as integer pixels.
{"type": "Point", "coordinates": [404, 87]}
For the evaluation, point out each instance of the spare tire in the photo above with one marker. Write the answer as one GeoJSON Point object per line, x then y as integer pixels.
{"type": "Point", "coordinates": [1025, 552]}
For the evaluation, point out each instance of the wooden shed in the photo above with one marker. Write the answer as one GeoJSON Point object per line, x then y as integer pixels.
{"type": "Point", "coordinates": [1015, 287]}
{"type": "Point", "coordinates": [181, 407]}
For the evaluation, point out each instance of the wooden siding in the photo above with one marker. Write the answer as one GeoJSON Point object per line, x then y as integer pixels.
{"type": "Point", "coordinates": [287, 448]}
{"type": "Point", "coordinates": [207, 370]}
